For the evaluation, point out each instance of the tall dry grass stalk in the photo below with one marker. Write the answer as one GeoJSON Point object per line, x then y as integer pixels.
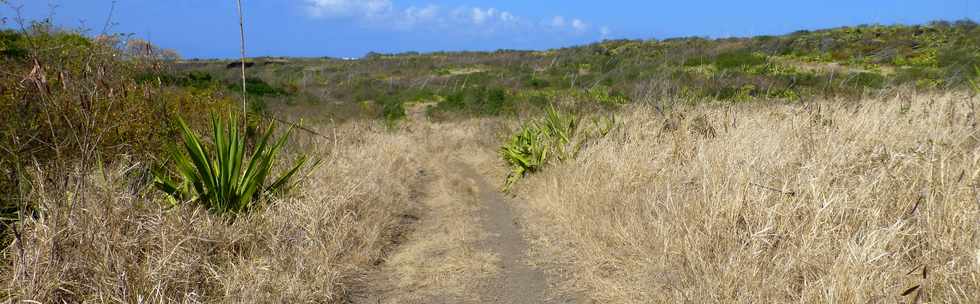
{"type": "Point", "coordinates": [825, 202]}
{"type": "Point", "coordinates": [241, 31]}
{"type": "Point", "coordinates": [112, 242]}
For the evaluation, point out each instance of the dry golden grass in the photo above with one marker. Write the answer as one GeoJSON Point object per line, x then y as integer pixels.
{"type": "Point", "coordinates": [105, 243]}
{"type": "Point", "coordinates": [823, 202]}
{"type": "Point", "coordinates": [828, 202]}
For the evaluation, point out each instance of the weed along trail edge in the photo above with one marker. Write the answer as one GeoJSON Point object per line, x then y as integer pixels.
{"type": "Point", "coordinates": [466, 247]}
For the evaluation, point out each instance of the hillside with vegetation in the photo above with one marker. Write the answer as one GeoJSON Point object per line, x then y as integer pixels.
{"type": "Point", "coordinates": [847, 62]}
{"type": "Point", "coordinates": [828, 166]}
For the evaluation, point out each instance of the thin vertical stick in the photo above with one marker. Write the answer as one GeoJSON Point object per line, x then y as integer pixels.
{"type": "Point", "coordinates": [241, 28]}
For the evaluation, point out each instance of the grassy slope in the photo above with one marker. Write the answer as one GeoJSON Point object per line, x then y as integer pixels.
{"type": "Point", "coordinates": [827, 202]}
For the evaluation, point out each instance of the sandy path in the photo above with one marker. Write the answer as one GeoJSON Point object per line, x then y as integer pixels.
{"type": "Point", "coordinates": [466, 247]}
{"type": "Point", "coordinates": [517, 282]}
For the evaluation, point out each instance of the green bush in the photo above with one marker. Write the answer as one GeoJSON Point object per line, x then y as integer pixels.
{"type": "Point", "coordinates": [536, 82]}
{"type": "Point", "coordinates": [607, 96]}
{"type": "Point", "coordinates": [868, 80]}
{"type": "Point", "coordinates": [526, 152]}
{"type": "Point", "coordinates": [224, 177]}
{"type": "Point", "coordinates": [392, 109]}
{"type": "Point", "coordinates": [12, 44]}
{"type": "Point", "coordinates": [257, 87]}
{"type": "Point", "coordinates": [739, 59]}
{"type": "Point", "coordinates": [495, 101]}
{"type": "Point", "coordinates": [76, 101]}
{"type": "Point", "coordinates": [561, 128]}
{"type": "Point", "coordinates": [478, 101]}
{"type": "Point", "coordinates": [557, 137]}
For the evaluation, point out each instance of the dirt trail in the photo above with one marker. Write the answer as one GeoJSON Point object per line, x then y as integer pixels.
{"type": "Point", "coordinates": [517, 281]}
{"type": "Point", "coordinates": [465, 248]}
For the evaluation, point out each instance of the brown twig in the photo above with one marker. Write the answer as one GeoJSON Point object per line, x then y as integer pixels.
{"type": "Point", "coordinates": [291, 124]}
{"type": "Point", "coordinates": [789, 193]}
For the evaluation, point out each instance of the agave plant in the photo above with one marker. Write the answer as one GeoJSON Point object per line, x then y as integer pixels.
{"type": "Point", "coordinates": [555, 137]}
{"type": "Point", "coordinates": [561, 129]}
{"type": "Point", "coordinates": [224, 177]}
{"type": "Point", "coordinates": [526, 152]}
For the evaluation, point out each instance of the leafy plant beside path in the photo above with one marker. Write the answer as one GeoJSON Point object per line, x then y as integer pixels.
{"type": "Point", "coordinates": [226, 177]}
{"type": "Point", "coordinates": [557, 137]}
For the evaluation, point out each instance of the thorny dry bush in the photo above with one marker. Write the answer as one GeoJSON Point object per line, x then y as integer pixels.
{"type": "Point", "coordinates": [825, 202]}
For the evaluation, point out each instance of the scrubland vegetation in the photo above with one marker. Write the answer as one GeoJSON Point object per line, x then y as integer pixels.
{"type": "Point", "coordinates": [835, 63]}
{"type": "Point", "coordinates": [836, 165]}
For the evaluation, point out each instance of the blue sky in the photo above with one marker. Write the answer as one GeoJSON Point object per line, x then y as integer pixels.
{"type": "Point", "coordinates": [350, 28]}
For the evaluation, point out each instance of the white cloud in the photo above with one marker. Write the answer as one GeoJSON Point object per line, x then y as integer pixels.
{"type": "Point", "coordinates": [415, 14]}
{"type": "Point", "coordinates": [571, 25]}
{"type": "Point", "coordinates": [349, 8]}
{"type": "Point", "coordinates": [507, 17]}
{"type": "Point", "coordinates": [558, 21]}
{"type": "Point", "coordinates": [605, 32]}
{"type": "Point", "coordinates": [479, 16]}
{"type": "Point", "coordinates": [476, 20]}
{"type": "Point", "coordinates": [579, 25]}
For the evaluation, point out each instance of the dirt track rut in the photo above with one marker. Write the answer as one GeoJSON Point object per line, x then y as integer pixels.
{"type": "Point", "coordinates": [505, 275]}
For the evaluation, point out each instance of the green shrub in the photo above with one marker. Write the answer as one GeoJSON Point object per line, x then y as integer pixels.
{"type": "Point", "coordinates": [259, 87]}
{"type": "Point", "coordinates": [74, 101]}
{"type": "Point", "coordinates": [739, 59]}
{"type": "Point", "coordinates": [526, 152]}
{"type": "Point", "coordinates": [478, 101]}
{"type": "Point", "coordinates": [556, 137]}
{"type": "Point", "coordinates": [560, 128]}
{"type": "Point", "coordinates": [868, 80]}
{"type": "Point", "coordinates": [223, 177]}
{"type": "Point", "coordinates": [495, 101]}
{"type": "Point", "coordinates": [606, 96]}
{"type": "Point", "coordinates": [454, 102]}
{"type": "Point", "coordinates": [12, 44]}
{"type": "Point", "coordinates": [737, 94]}
{"type": "Point", "coordinates": [197, 80]}
{"type": "Point", "coordinates": [536, 82]}
{"type": "Point", "coordinates": [392, 109]}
